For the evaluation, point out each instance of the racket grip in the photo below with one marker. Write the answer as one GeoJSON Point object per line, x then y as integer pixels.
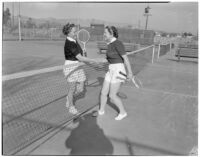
{"type": "Point", "coordinates": [85, 53]}
{"type": "Point", "coordinates": [123, 74]}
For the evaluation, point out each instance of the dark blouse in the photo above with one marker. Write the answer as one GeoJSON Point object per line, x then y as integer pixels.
{"type": "Point", "coordinates": [115, 51]}
{"type": "Point", "coordinates": [71, 50]}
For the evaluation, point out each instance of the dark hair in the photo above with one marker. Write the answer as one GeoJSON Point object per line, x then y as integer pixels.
{"type": "Point", "coordinates": [112, 30]}
{"type": "Point", "coordinates": [67, 28]}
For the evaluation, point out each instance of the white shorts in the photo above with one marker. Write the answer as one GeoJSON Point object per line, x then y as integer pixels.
{"type": "Point", "coordinates": [73, 71]}
{"type": "Point", "coordinates": [113, 75]}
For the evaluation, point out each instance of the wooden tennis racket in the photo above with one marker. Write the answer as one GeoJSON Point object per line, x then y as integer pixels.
{"type": "Point", "coordinates": [135, 80]}
{"type": "Point", "coordinates": [83, 36]}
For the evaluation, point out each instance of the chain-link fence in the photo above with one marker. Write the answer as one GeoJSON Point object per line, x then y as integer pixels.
{"type": "Point", "coordinates": [142, 37]}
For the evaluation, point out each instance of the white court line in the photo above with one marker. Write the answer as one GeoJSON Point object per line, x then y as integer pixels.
{"type": "Point", "coordinates": [30, 73]}
{"type": "Point", "coordinates": [172, 93]}
{"type": "Point", "coordinates": [164, 100]}
{"type": "Point", "coordinates": [162, 91]}
{"type": "Point", "coordinates": [173, 70]}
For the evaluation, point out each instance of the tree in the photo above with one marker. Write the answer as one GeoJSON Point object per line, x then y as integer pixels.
{"type": "Point", "coordinates": [30, 23]}
{"type": "Point", "coordinates": [189, 34]}
{"type": "Point", "coordinates": [45, 25]}
{"type": "Point", "coordinates": [146, 11]}
{"type": "Point", "coordinates": [164, 34]}
{"type": "Point", "coordinates": [185, 34]}
{"type": "Point", "coordinates": [6, 17]}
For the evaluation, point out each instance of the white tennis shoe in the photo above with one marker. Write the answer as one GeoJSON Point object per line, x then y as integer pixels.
{"type": "Point", "coordinates": [67, 102]}
{"type": "Point", "coordinates": [73, 110]}
{"type": "Point", "coordinates": [101, 112]}
{"type": "Point", "coordinates": [121, 116]}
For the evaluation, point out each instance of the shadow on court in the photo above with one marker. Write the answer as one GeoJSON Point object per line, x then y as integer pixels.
{"type": "Point", "coordinates": [88, 138]}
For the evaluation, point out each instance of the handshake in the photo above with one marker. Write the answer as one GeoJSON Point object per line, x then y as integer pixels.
{"type": "Point", "coordinates": [99, 60]}
{"type": "Point", "coordinates": [98, 63]}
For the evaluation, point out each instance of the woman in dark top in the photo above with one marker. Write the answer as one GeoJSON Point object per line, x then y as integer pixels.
{"type": "Point", "coordinates": [116, 74]}
{"type": "Point", "coordinates": [74, 74]}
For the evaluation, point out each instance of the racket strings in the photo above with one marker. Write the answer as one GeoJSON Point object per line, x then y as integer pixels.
{"type": "Point", "coordinates": [83, 35]}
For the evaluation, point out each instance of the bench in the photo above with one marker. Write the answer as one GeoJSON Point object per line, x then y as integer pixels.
{"type": "Point", "coordinates": [189, 51]}
{"type": "Point", "coordinates": [102, 46]}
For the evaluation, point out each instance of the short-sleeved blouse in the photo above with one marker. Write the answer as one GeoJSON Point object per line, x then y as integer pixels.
{"type": "Point", "coordinates": [71, 50]}
{"type": "Point", "coordinates": [115, 51]}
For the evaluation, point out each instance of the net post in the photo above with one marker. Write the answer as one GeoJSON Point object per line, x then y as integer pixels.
{"type": "Point", "coordinates": [170, 46]}
{"type": "Point", "coordinates": [153, 54]}
{"type": "Point", "coordinates": [158, 51]}
{"type": "Point", "coordinates": [51, 33]}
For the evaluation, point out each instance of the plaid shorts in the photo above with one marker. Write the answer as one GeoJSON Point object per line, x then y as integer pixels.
{"type": "Point", "coordinates": [73, 71]}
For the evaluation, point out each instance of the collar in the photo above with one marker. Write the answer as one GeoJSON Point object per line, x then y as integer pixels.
{"type": "Point", "coordinates": [71, 39]}
{"type": "Point", "coordinates": [112, 40]}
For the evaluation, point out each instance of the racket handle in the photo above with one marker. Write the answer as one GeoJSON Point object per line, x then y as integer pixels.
{"type": "Point", "coordinates": [85, 53]}
{"type": "Point", "coordinates": [123, 74]}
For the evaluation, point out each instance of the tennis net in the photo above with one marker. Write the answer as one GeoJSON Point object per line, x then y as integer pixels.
{"type": "Point", "coordinates": [33, 103]}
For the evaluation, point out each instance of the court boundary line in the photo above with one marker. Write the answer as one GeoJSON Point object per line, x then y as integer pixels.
{"type": "Point", "coordinates": [161, 91]}
{"type": "Point", "coordinates": [30, 73]}
{"type": "Point", "coordinates": [167, 68]}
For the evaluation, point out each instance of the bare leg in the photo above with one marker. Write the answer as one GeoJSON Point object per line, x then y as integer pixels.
{"type": "Point", "coordinates": [69, 97]}
{"type": "Point", "coordinates": [114, 98]}
{"type": "Point", "coordinates": [104, 96]}
{"type": "Point", "coordinates": [79, 87]}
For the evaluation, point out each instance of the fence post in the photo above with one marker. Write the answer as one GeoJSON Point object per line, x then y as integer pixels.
{"type": "Point", "coordinates": [19, 25]}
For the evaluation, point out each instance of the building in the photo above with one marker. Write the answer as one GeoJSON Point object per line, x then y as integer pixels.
{"type": "Point", "coordinates": [96, 31]}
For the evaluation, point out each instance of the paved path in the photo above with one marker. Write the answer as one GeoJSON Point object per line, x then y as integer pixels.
{"type": "Point", "coordinates": [162, 117]}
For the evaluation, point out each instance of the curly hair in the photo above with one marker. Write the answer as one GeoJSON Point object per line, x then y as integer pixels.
{"type": "Point", "coordinates": [112, 30]}
{"type": "Point", "coordinates": [67, 28]}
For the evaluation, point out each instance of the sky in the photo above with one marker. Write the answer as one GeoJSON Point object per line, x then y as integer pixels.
{"type": "Point", "coordinates": [171, 17]}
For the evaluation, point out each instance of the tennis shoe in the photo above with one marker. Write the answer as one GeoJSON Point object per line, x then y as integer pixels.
{"type": "Point", "coordinates": [73, 110]}
{"type": "Point", "coordinates": [121, 116]}
{"type": "Point", "coordinates": [67, 103]}
{"type": "Point", "coordinates": [101, 112]}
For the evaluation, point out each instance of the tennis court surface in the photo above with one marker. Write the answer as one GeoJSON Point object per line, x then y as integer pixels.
{"type": "Point", "coordinates": [162, 117]}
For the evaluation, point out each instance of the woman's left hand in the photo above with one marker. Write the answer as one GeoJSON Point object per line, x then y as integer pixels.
{"type": "Point", "coordinates": [101, 60]}
{"type": "Point", "coordinates": [130, 76]}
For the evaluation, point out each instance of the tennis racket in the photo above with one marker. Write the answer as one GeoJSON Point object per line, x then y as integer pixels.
{"type": "Point", "coordinates": [135, 80]}
{"type": "Point", "coordinates": [83, 36]}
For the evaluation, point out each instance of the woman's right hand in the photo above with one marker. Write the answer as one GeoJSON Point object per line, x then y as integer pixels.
{"type": "Point", "coordinates": [100, 60]}
{"type": "Point", "coordinates": [98, 63]}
